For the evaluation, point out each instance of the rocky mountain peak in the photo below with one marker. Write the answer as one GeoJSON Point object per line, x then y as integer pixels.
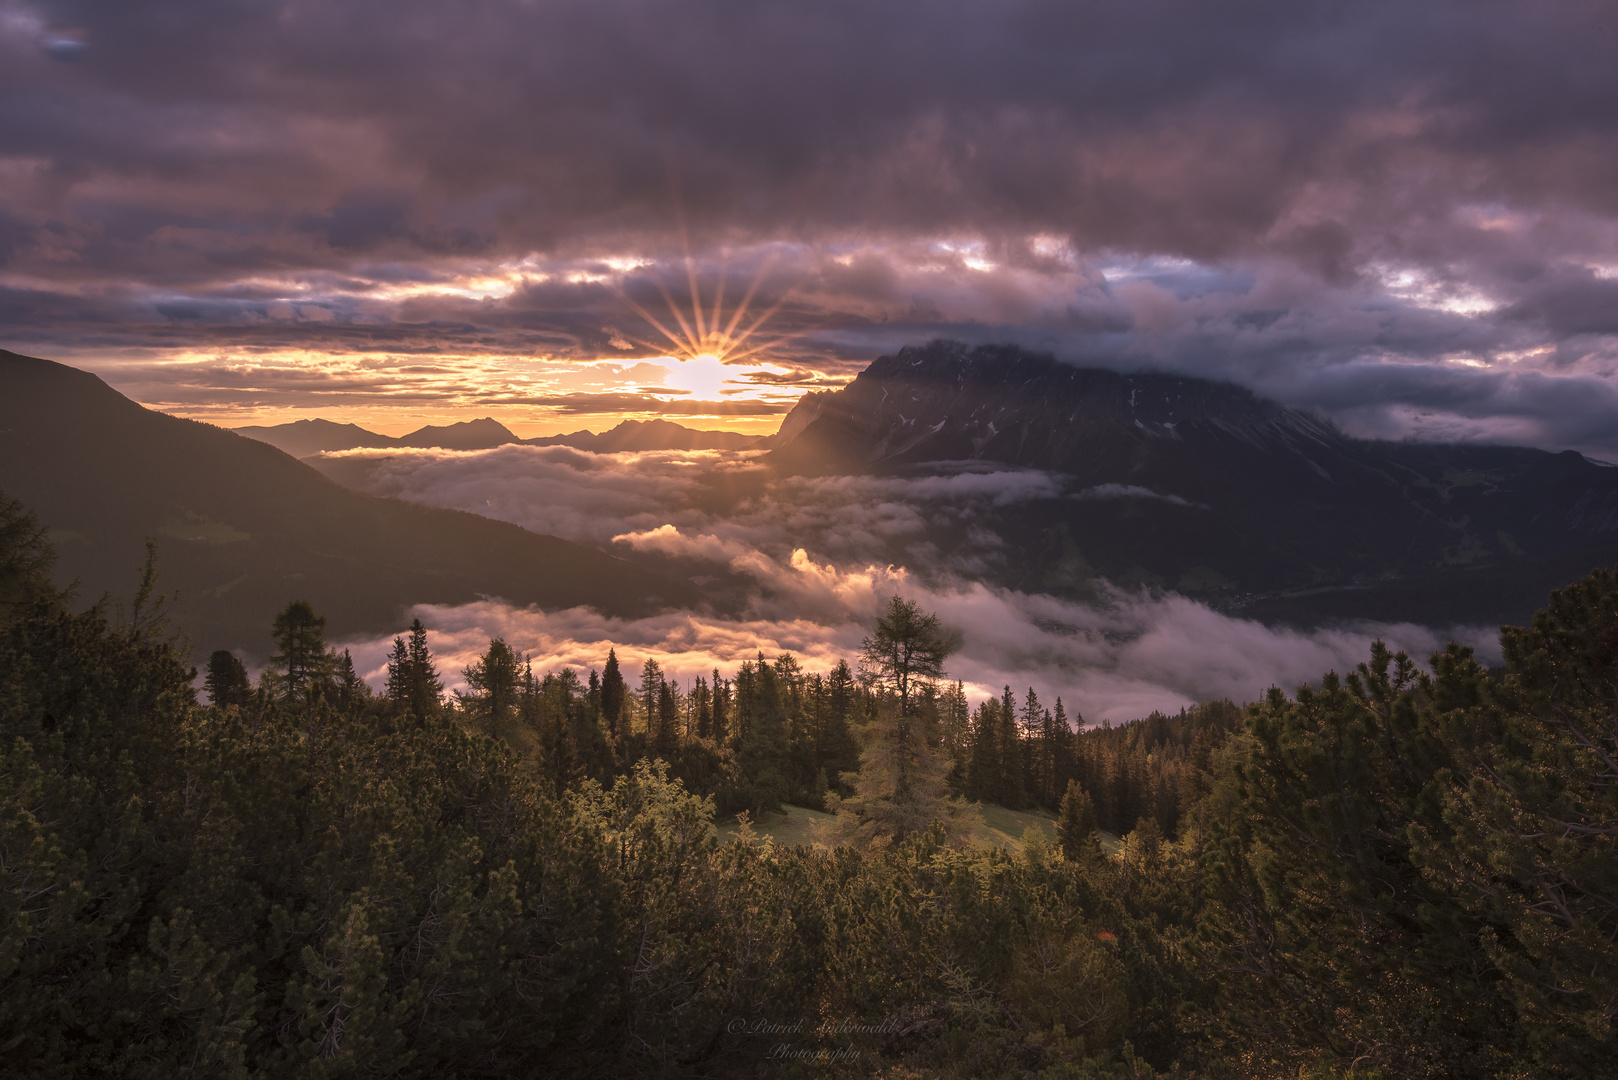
{"type": "Point", "coordinates": [945, 401]}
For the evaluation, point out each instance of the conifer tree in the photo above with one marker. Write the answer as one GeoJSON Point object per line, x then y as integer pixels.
{"type": "Point", "coordinates": [1032, 727]}
{"type": "Point", "coordinates": [702, 708]}
{"type": "Point", "coordinates": [226, 681]}
{"type": "Point", "coordinates": [762, 748]}
{"type": "Point", "coordinates": [667, 739]}
{"type": "Point", "coordinates": [744, 701]}
{"type": "Point", "coordinates": [495, 679]}
{"type": "Point", "coordinates": [425, 690]}
{"type": "Point", "coordinates": [26, 559]}
{"type": "Point", "coordinates": [901, 786]}
{"type": "Point", "coordinates": [983, 776]}
{"type": "Point", "coordinates": [955, 733]}
{"type": "Point", "coordinates": [592, 696]}
{"type": "Point", "coordinates": [1061, 750]}
{"type": "Point", "coordinates": [612, 695]}
{"type": "Point", "coordinates": [398, 687]}
{"type": "Point", "coordinates": [301, 664]}
{"type": "Point", "coordinates": [350, 688]}
{"type": "Point", "coordinates": [907, 649]}
{"type": "Point", "coordinates": [839, 751]}
{"type": "Point", "coordinates": [651, 684]}
{"type": "Point", "coordinates": [722, 708]}
{"type": "Point", "coordinates": [1012, 793]}
{"type": "Point", "coordinates": [1076, 826]}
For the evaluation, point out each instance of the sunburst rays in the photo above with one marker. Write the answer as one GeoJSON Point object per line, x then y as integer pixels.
{"type": "Point", "coordinates": [705, 328]}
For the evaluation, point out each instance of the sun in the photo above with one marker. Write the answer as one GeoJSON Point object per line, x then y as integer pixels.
{"type": "Point", "coordinates": [702, 375]}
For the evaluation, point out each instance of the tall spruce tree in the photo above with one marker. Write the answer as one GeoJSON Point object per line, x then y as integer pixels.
{"type": "Point", "coordinates": [667, 728]}
{"type": "Point", "coordinates": [983, 774]}
{"type": "Point", "coordinates": [346, 682]}
{"type": "Point", "coordinates": [426, 690]}
{"type": "Point", "coordinates": [226, 682]}
{"type": "Point", "coordinates": [723, 697]}
{"type": "Point", "coordinates": [613, 692]}
{"type": "Point", "coordinates": [1032, 727]}
{"type": "Point", "coordinates": [1076, 826]}
{"type": "Point", "coordinates": [651, 685]}
{"type": "Point", "coordinates": [1012, 793]}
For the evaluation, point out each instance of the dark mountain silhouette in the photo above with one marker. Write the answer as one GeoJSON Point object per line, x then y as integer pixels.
{"type": "Point", "coordinates": [242, 528]}
{"type": "Point", "coordinates": [303, 438]}
{"type": "Point", "coordinates": [1208, 489]}
{"type": "Point", "coordinates": [484, 434]}
{"type": "Point", "coordinates": [649, 435]}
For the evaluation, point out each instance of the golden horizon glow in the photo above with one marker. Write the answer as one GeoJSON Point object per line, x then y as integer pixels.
{"type": "Point", "coordinates": [395, 395]}
{"type": "Point", "coordinates": [711, 372]}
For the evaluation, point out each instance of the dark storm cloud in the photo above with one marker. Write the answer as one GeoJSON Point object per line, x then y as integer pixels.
{"type": "Point", "coordinates": [1194, 128]}
{"type": "Point", "coordinates": [1263, 190]}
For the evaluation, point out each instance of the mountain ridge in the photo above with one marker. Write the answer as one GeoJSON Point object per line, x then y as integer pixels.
{"type": "Point", "coordinates": [305, 438]}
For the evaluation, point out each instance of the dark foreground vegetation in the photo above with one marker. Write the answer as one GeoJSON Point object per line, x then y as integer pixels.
{"type": "Point", "coordinates": [1391, 874]}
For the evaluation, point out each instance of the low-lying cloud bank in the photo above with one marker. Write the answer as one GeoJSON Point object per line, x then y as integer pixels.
{"type": "Point", "coordinates": [816, 557]}
{"type": "Point", "coordinates": [1116, 662]}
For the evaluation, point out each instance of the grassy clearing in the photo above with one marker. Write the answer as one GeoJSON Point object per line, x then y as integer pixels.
{"type": "Point", "coordinates": [1000, 828]}
{"type": "Point", "coordinates": [1003, 828]}
{"type": "Point", "coordinates": [793, 828]}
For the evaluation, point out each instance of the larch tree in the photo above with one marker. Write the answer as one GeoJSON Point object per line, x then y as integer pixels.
{"type": "Point", "coordinates": [908, 648]}
{"type": "Point", "coordinates": [901, 788]}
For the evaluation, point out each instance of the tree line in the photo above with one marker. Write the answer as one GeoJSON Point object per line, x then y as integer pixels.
{"type": "Point", "coordinates": [770, 734]}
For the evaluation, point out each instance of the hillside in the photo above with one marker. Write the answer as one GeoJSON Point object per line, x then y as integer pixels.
{"type": "Point", "coordinates": [1208, 489]}
{"type": "Point", "coordinates": [301, 438]}
{"type": "Point", "coordinates": [242, 528]}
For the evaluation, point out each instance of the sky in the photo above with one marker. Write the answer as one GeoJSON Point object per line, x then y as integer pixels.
{"type": "Point", "coordinates": [566, 212]}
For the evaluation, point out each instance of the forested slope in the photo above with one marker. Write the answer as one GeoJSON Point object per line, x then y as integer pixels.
{"type": "Point", "coordinates": [1387, 875]}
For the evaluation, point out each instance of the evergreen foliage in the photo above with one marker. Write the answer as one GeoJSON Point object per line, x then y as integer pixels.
{"type": "Point", "coordinates": [1076, 826]}
{"type": "Point", "coordinates": [227, 682]}
{"type": "Point", "coordinates": [612, 693]}
{"type": "Point", "coordinates": [1389, 873]}
{"type": "Point", "coordinates": [300, 664]}
{"type": "Point", "coordinates": [495, 679]}
{"type": "Point", "coordinates": [26, 559]}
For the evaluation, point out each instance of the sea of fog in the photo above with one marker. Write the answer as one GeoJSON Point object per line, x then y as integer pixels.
{"type": "Point", "coordinates": [807, 563]}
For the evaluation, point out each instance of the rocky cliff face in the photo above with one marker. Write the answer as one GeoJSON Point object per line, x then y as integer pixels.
{"type": "Point", "coordinates": [1207, 488]}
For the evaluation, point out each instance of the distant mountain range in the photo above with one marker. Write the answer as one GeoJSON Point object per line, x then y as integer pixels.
{"type": "Point", "coordinates": [1163, 481]}
{"type": "Point", "coordinates": [242, 528]}
{"type": "Point", "coordinates": [304, 438]}
{"type": "Point", "coordinates": [1208, 489]}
